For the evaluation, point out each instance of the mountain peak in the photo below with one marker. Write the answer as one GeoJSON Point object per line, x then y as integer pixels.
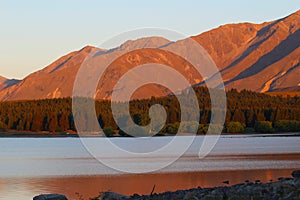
{"type": "Point", "coordinates": [6, 83]}
{"type": "Point", "coordinates": [149, 42]}
{"type": "Point", "coordinates": [87, 48]}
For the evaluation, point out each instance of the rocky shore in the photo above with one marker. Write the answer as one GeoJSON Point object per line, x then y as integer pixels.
{"type": "Point", "coordinates": [282, 189]}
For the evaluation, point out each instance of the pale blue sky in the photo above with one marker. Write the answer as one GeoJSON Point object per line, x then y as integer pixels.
{"type": "Point", "coordinates": [36, 32]}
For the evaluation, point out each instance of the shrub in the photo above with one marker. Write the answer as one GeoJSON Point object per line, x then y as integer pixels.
{"type": "Point", "coordinates": [234, 127]}
{"type": "Point", "coordinates": [287, 126]}
{"type": "Point", "coordinates": [189, 127]}
{"type": "Point", "coordinates": [215, 129]}
{"type": "Point", "coordinates": [134, 131]}
{"type": "Point", "coordinates": [202, 129]}
{"type": "Point", "coordinates": [172, 128]}
{"type": "Point", "coordinates": [264, 127]}
{"type": "Point", "coordinates": [123, 134]}
{"type": "Point", "coordinates": [108, 131]}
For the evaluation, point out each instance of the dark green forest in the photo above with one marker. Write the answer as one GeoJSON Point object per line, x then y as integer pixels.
{"type": "Point", "coordinates": [247, 112]}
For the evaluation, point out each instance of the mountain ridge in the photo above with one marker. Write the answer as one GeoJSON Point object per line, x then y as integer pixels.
{"type": "Point", "coordinates": [260, 57]}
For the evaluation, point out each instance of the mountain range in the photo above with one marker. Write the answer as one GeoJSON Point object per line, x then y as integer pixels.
{"type": "Point", "coordinates": [258, 57]}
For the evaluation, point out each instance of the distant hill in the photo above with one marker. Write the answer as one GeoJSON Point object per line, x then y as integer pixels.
{"type": "Point", "coordinates": [2, 79]}
{"type": "Point", "coordinates": [258, 57]}
{"type": "Point", "coordinates": [6, 83]}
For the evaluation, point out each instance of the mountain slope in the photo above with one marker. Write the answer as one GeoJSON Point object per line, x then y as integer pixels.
{"type": "Point", "coordinates": [57, 79]}
{"type": "Point", "coordinates": [2, 82]}
{"type": "Point", "coordinates": [53, 81]}
{"type": "Point", "coordinates": [273, 54]}
{"type": "Point", "coordinates": [259, 57]}
{"type": "Point", "coordinates": [6, 83]}
{"type": "Point", "coordinates": [2, 79]}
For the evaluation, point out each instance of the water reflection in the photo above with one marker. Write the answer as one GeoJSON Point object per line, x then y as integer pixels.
{"type": "Point", "coordinates": [26, 188]}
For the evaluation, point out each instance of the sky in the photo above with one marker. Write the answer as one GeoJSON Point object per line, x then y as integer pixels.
{"type": "Point", "coordinates": [34, 33]}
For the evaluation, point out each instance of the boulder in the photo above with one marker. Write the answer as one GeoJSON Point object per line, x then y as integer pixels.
{"type": "Point", "coordinates": [296, 174]}
{"type": "Point", "coordinates": [50, 197]}
{"type": "Point", "coordinates": [112, 196]}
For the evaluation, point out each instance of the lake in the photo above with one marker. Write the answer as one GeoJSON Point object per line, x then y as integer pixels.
{"type": "Point", "coordinates": [31, 166]}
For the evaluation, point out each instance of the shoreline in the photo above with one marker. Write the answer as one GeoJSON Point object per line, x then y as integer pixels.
{"type": "Point", "coordinates": [253, 188]}
{"type": "Point", "coordinates": [283, 188]}
{"type": "Point", "coordinates": [143, 184]}
{"type": "Point", "coordinates": [17, 134]}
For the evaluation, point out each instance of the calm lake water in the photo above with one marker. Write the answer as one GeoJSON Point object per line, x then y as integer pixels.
{"type": "Point", "coordinates": [31, 166]}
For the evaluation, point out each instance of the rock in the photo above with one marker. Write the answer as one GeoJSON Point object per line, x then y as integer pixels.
{"type": "Point", "coordinates": [50, 197]}
{"type": "Point", "coordinates": [238, 185]}
{"type": "Point", "coordinates": [296, 174]}
{"type": "Point", "coordinates": [285, 179]}
{"type": "Point", "coordinates": [226, 182]}
{"type": "Point", "coordinates": [290, 196]}
{"type": "Point", "coordinates": [135, 196]}
{"type": "Point", "coordinates": [297, 182]}
{"type": "Point", "coordinates": [190, 195]}
{"type": "Point", "coordinates": [284, 189]}
{"type": "Point", "coordinates": [112, 196]}
{"type": "Point", "coordinates": [257, 181]}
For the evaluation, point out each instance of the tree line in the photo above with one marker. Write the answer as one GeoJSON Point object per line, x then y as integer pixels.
{"type": "Point", "coordinates": [246, 108]}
